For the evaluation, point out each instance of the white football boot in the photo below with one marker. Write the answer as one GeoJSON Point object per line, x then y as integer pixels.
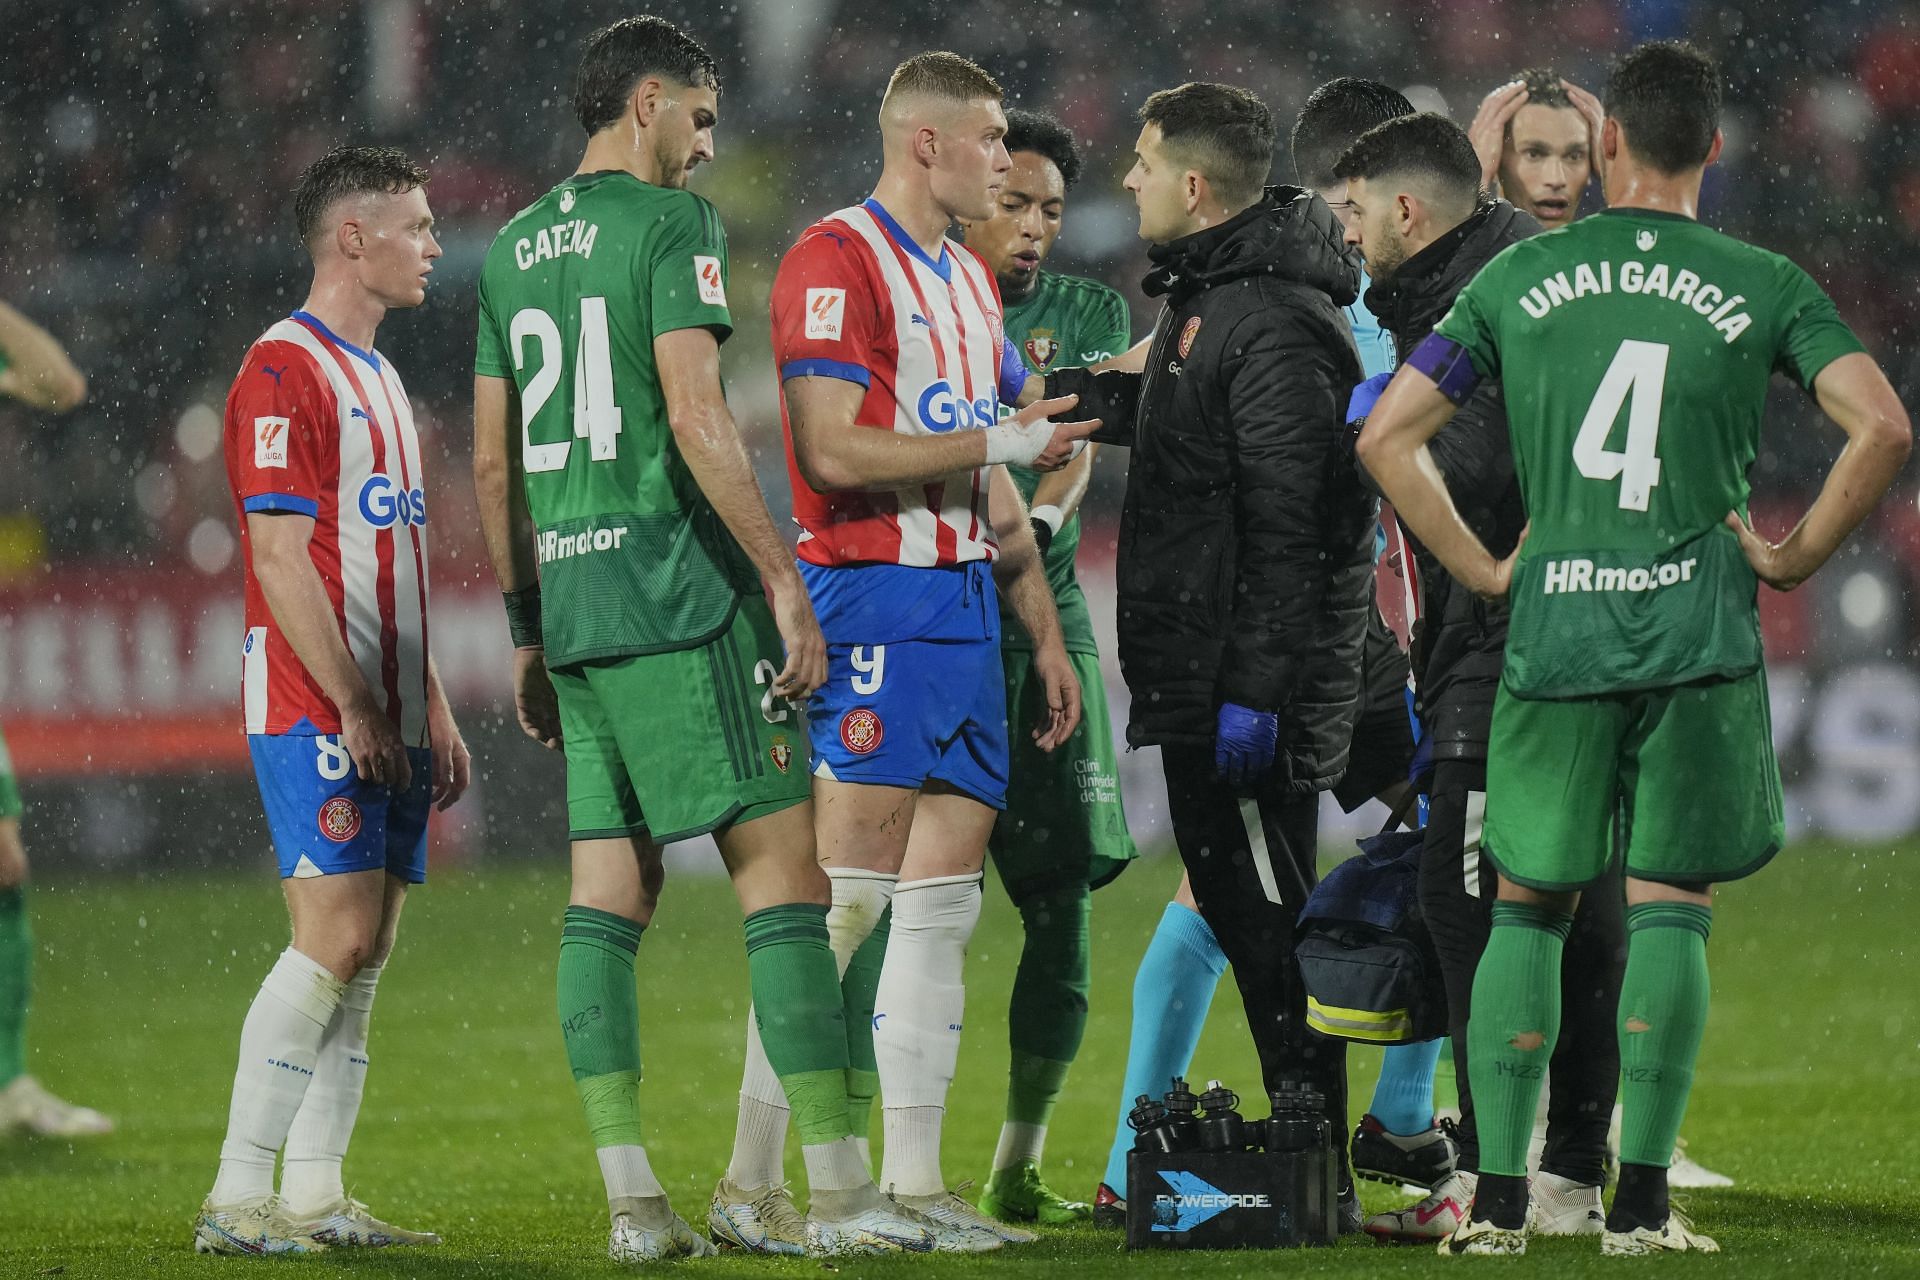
{"type": "Point", "coordinates": [1676, 1235]}
{"type": "Point", "coordinates": [1558, 1206]}
{"type": "Point", "coordinates": [756, 1219]}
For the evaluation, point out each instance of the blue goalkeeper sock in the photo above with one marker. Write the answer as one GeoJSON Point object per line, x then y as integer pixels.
{"type": "Point", "coordinates": [1171, 994]}
{"type": "Point", "coordinates": [1403, 1097]}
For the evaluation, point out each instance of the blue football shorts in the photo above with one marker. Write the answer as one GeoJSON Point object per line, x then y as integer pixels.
{"type": "Point", "coordinates": [325, 821]}
{"type": "Point", "coordinates": [911, 712]}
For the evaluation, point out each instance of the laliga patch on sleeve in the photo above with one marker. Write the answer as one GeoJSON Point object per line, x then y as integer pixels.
{"type": "Point", "coordinates": [706, 270]}
{"type": "Point", "coordinates": [825, 310]}
{"type": "Point", "coordinates": [270, 442]}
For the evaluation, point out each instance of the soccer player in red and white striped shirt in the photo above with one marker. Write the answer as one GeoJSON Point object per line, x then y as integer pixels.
{"type": "Point", "coordinates": [351, 735]}
{"type": "Point", "coordinates": [893, 365]}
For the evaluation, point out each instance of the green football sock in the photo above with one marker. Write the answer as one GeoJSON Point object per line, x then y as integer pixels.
{"type": "Point", "coordinates": [1033, 1086]}
{"type": "Point", "coordinates": [1513, 1028]}
{"type": "Point", "coordinates": [1047, 1016]}
{"type": "Point", "coordinates": [600, 1018]}
{"type": "Point", "coordinates": [857, 990]}
{"type": "Point", "coordinates": [16, 982]}
{"type": "Point", "coordinates": [1663, 1012]}
{"type": "Point", "coordinates": [797, 999]}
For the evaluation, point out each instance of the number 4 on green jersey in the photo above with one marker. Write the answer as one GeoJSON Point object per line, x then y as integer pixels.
{"type": "Point", "coordinates": [1634, 349]}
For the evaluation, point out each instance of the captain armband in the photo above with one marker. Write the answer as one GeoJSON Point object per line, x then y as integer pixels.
{"type": "Point", "coordinates": [1448, 364]}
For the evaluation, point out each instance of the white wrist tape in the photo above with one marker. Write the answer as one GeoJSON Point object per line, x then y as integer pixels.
{"type": "Point", "coordinates": [1050, 516]}
{"type": "Point", "coordinates": [1017, 442]}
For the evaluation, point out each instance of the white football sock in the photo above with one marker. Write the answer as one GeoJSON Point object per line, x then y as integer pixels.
{"type": "Point", "coordinates": [628, 1175]}
{"type": "Point", "coordinates": [760, 1133]}
{"type": "Point", "coordinates": [917, 1018]}
{"type": "Point", "coordinates": [835, 1166]}
{"type": "Point", "coordinates": [1019, 1142]}
{"type": "Point", "coordinates": [279, 1045]}
{"type": "Point", "coordinates": [859, 899]}
{"type": "Point", "coordinates": [310, 1178]}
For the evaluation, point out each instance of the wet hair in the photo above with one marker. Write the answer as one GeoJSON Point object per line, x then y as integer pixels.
{"type": "Point", "coordinates": [350, 171]}
{"type": "Point", "coordinates": [941, 74]}
{"type": "Point", "coordinates": [1666, 96]}
{"type": "Point", "coordinates": [1335, 114]}
{"type": "Point", "coordinates": [1427, 146]}
{"type": "Point", "coordinates": [1544, 88]}
{"type": "Point", "coordinates": [621, 54]}
{"type": "Point", "coordinates": [1044, 135]}
{"type": "Point", "coordinates": [1223, 131]}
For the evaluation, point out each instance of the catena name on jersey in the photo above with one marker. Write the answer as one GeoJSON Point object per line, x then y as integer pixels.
{"type": "Point", "coordinates": [576, 236]}
{"type": "Point", "coordinates": [1682, 286]}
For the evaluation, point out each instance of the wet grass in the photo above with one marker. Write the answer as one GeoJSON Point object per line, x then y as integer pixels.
{"type": "Point", "coordinates": [1809, 1086]}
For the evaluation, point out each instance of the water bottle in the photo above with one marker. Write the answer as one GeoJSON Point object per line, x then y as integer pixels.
{"type": "Point", "coordinates": [1221, 1127]}
{"type": "Point", "coordinates": [1293, 1127]}
{"type": "Point", "coordinates": [1152, 1133]}
{"type": "Point", "coordinates": [1181, 1106]}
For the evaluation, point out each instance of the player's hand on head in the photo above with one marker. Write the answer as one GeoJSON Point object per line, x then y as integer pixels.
{"type": "Point", "coordinates": [1596, 117]}
{"type": "Point", "coordinates": [806, 668]}
{"type": "Point", "coordinates": [1062, 690]}
{"type": "Point", "coordinates": [373, 742]}
{"type": "Point", "coordinates": [534, 702]}
{"type": "Point", "coordinates": [1488, 132]}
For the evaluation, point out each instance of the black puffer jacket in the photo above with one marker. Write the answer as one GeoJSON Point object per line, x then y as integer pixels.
{"type": "Point", "coordinates": [1460, 639]}
{"type": "Point", "coordinates": [1245, 559]}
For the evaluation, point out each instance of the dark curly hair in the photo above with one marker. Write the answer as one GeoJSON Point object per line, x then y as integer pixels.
{"type": "Point", "coordinates": [1040, 133]}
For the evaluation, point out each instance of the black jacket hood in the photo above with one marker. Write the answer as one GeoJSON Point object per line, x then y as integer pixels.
{"type": "Point", "coordinates": [1290, 234]}
{"type": "Point", "coordinates": [1423, 288]}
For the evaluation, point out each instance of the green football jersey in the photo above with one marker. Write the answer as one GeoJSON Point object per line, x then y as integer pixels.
{"type": "Point", "coordinates": [1065, 322]}
{"type": "Point", "coordinates": [1634, 349]}
{"type": "Point", "coordinates": [575, 289]}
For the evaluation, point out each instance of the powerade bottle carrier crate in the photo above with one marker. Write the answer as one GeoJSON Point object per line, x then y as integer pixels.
{"type": "Point", "coordinates": [1202, 1177]}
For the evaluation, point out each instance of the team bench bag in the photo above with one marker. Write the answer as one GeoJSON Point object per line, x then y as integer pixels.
{"type": "Point", "coordinates": [1369, 966]}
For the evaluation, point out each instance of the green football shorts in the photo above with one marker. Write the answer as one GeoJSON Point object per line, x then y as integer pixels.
{"type": "Point", "coordinates": [1064, 823]}
{"type": "Point", "coordinates": [10, 806]}
{"type": "Point", "coordinates": [679, 744]}
{"type": "Point", "coordinates": [1692, 767]}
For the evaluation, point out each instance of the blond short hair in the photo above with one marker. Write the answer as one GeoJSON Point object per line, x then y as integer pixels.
{"type": "Point", "coordinates": [940, 75]}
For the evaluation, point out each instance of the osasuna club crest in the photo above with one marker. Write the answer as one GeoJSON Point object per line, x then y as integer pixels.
{"type": "Point", "coordinates": [781, 752]}
{"type": "Point", "coordinates": [1041, 347]}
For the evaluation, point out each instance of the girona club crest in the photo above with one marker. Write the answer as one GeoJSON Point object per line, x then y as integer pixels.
{"type": "Point", "coordinates": [1041, 347]}
{"type": "Point", "coordinates": [1187, 335]}
{"type": "Point", "coordinates": [339, 819]}
{"type": "Point", "coordinates": [861, 731]}
{"type": "Point", "coordinates": [781, 753]}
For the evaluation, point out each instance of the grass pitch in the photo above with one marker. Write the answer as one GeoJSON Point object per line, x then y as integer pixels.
{"type": "Point", "coordinates": [1808, 1092]}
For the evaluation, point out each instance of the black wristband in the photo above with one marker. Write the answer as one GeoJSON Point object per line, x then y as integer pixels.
{"type": "Point", "coordinates": [523, 617]}
{"type": "Point", "coordinates": [1042, 534]}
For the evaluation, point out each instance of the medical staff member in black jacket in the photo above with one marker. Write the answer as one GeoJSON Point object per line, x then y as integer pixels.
{"type": "Point", "coordinates": [1246, 540]}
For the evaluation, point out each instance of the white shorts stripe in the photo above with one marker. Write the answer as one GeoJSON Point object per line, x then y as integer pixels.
{"type": "Point", "coordinates": [253, 679]}
{"type": "Point", "coordinates": [1257, 842]}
